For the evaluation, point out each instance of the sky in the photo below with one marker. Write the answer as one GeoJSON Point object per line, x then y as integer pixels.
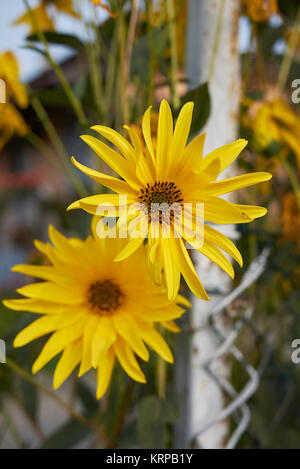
{"type": "Point", "coordinates": [12, 37]}
{"type": "Point", "coordinates": [31, 63]}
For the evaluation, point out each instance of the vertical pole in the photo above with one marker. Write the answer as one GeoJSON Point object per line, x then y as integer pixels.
{"type": "Point", "coordinates": [212, 53]}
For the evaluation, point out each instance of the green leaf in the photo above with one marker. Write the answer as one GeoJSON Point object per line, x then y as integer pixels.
{"type": "Point", "coordinates": [52, 97]}
{"type": "Point", "coordinates": [66, 436]}
{"type": "Point", "coordinates": [154, 417]}
{"type": "Point", "coordinates": [59, 38]}
{"type": "Point", "coordinates": [35, 49]}
{"type": "Point", "coordinates": [200, 96]}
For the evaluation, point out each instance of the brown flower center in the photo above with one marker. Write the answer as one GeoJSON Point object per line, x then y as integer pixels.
{"type": "Point", "coordinates": [161, 201]}
{"type": "Point", "coordinates": [105, 297]}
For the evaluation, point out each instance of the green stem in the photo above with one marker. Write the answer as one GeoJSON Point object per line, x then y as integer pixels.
{"type": "Point", "coordinates": [11, 427]}
{"type": "Point", "coordinates": [174, 56]}
{"type": "Point", "coordinates": [293, 179]}
{"type": "Point", "coordinates": [111, 75]}
{"type": "Point", "coordinates": [289, 54]}
{"type": "Point", "coordinates": [152, 60]}
{"type": "Point", "coordinates": [57, 69]}
{"type": "Point", "coordinates": [161, 377]}
{"type": "Point", "coordinates": [123, 66]}
{"type": "Point", "coordinates": [55, 139]}
{"type": "Point", "coordinates": [28, 377]}
{"type": "Point", "coordinates": [216, 43]}
{"type": "Point", "coordinates": [94, 56]}
{"type": "Point", "coordinates": [42, 147]}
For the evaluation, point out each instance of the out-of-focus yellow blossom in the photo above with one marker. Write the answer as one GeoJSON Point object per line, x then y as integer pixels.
{"type": "Point", "coordinates": [272, 120]}
{"type": "Point", "coordinates": [11, 121]}
{"type": "Point", "coordinates": [290, 218]}
{"type": "Point", "coordinates": [45, 21]}
{"type": "Point", "coordinates": [260, 10]}
{"type": "Point", "coordinates": [9, 72]}
{"type": "Point", "coordinates": [159, 16]}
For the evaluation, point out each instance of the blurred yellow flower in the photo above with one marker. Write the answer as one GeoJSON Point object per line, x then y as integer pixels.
{"type": "Point", "coordinates": [260, 10]}
{"type": "Point", "coordinates": [41, 15]}
{"type": "Point", "coordinates": [11, 120]}
{"type": "Point", "coordinates": [290, 218]}
{"type": "Point", "coordinates": [272, 120]}
{"type": "Point", "coordinates": [160, 16]}
{"type": "Point", "coordinates": [96, 310]}
{"type": "Point", "coordinates": [9, 72]}
{"type": "Point", "coordinates": [11, 123]}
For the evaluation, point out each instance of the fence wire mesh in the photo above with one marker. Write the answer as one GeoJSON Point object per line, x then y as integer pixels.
{"type": "Point", "coordinates": [236, 407]}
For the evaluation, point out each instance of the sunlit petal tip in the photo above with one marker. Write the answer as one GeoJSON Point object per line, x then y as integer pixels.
{"type": "Point", "coordinates": [17, 342]}
{"type": "Point", "coordinates": [74, 205]}
{"type": "Point", "coordinates": [35, 367]}
{"type": "Point", "coordinates": [73, 160]}
{"type": "Point", "coordinates": [170, 358]}
{"type": "Point", "coordinates": [56, 384]}
{"type": "Point", "coordinates": [6, 303]}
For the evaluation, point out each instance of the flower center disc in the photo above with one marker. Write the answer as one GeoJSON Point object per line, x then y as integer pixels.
{"type": "Point", "coordinates": [105, 297]}
{"type": "Point", "coordinates": [162, 200]}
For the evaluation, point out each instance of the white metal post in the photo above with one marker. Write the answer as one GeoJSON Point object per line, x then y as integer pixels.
{"type": "Point", "coordinates": [212, 49]}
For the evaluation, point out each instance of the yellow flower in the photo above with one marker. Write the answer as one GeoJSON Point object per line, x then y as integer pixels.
{"type": "Point", "coordinates": [290, 218]}
{"type": "Point", "coordinates": [178, 177]}
{"type": "Point", "coordinates": [272, 120]}
{"type": "Point", "coordinates": [97, 311]}
{"type": "Point", "coordinates": [260, 10]}
{"type": "Point", "coordinates": [160, 16]}
{"type": "Point", "coordinates": [11, 120]}
{"type": "Point", "coordinates": [11, 123]}
{"type": "Point", "coordinates": [9, 72]}
{"type": "Point", "coordinates": [44, 21]}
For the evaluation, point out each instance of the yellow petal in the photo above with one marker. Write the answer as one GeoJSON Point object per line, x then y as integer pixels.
{"type": "Point", "coordinates": [235, 183]}
{"type": "Point", "coordinates": [129, 249]}
{"type": "Point", "coordinates": [51, 292]}
{"type": "Point", "coordinates": [181, 132]}
{"type": "Point", "coordinates": [118, 140]}
{"type": "Point", "coordinates": [103, 338]}
{"type": "Point", "coordinates": [164, 139]}
{"type": "Point", "coordinates": [104, 372]}
{"type": "Point", "coordinates": [171, 326]}
{"type": "Point", "coordinates": [57, 342]}
{"type": "Point", "coordinates": [41, 306]}
{"type": "Point", "coordinates": [216, 256]}
{"type": "Point", "coordinates": [146, 127]}
{"type": "Point", "coordinates": [214, 236]}
{"type": "Point", "coordinates": [128, 361]}
{"type": "Point", "coordinates": [172, 273]}
{"type": "Point", "coordinates": [188, 271]}
{"type": "Point", "coordinates": [88, 335]}
{"type": "Point", "coordinates": [227, 154]}
{"type": "Point", "coordinates": [128, 329]}
{"type": "Point", "coordinates": [218, 210]}
{"type": "Point", "coordinates": [252, 211]}
{"type": "Point", "coordinates": [156, 342]}
{"type": "Point", "coordinates": [108, 181]}
{"type": "Point", "coordinates": [193, 153]}
{"type": "Point", "coordinates": [119, 164]}
{"type": "Point", "coordinates": [68, 361]}
{"type": "Point", "coordinates": [40, 271]}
